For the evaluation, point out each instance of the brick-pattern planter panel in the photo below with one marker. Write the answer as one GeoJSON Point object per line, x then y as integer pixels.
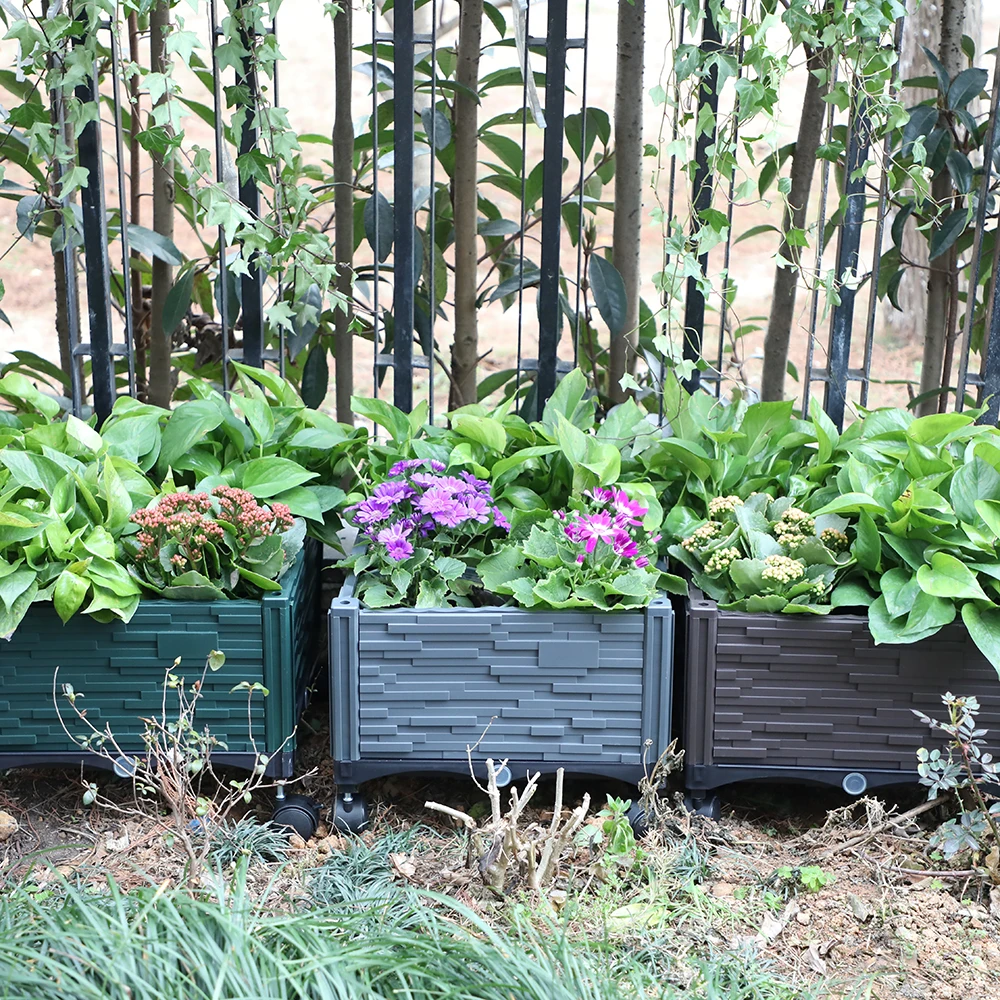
{"type": "Point", "coordinates": [797, 696]}
{"type": "Point", "coordinates": [411, 690]}
{"type": "Point", "coordinates": [119, 669]}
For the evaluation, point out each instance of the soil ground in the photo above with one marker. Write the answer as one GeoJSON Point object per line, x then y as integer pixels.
{"type": "Point", "coordinates": [890, 922]}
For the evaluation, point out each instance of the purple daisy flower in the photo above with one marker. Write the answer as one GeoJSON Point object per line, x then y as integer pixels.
{"type": "Point", "coordinates": [623, 544]}
{"type": "Point", "coordinates": [396, 542]}
{"type": "Point", "coordinates": [628, 511]}
{"type": "Point", "coordinates": [479, 485]}
{"type": "Point", "coordinates": [437, 466]}
{"type": "Point", "coordinates": [642, 562]}
{"type": "Point", "coordinates": [405, 465]}
{"type": "Point", "coordinates": [393, 492]}
{"type": "Point", "coordinates": [441, 506]}
{"type": "Point", "coordinates": [373, 510]}
{"type": "Point", "coordinates": [594, 528]}
{"type": "Point", "coordinates": [475, 508]}
{"type": "Point", "coordinates": [499, 520]}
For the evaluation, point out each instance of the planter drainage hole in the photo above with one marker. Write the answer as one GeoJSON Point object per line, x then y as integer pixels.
{"type": "Point", "coordinates": [124, 767]}
{"type": "Point", "coordinates": [855, 783]}
{"type": "Point", "coordinates": [503, 776]}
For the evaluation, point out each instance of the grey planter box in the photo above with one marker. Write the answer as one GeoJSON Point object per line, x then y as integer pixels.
{"type": "Point", "coordinates": [410, 690]}
{"type": "Point", "coordinates": [810, 698]}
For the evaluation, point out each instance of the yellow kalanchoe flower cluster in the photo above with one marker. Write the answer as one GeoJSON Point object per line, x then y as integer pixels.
{"type": "Point", "coordinates": [834, 540]}
{"type": "Point", "coordinates": [722, 560]}
{"type": "Point", "coordinates": [720, 506]}
{"type": "Point", "coordinates": [793, 526]}
{"type": "Point", "coordinates": [782, 570]}
{"type": "Point", "coordinates": [702, 536]}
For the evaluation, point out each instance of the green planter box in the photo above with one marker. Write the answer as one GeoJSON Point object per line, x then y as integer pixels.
{"type": "Point", "coordinates": [119, 668]}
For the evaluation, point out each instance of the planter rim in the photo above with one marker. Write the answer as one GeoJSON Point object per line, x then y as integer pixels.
{"type": "Point", "coordinates": [697, 600]}
{"type": "Point", "coordinates": [346, 598]}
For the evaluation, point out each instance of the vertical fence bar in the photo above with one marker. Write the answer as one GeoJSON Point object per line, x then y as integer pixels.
{"type": "Point", "coordinates": [220, 179]}
{"type": "Point", "coordinates": [548, 286]}
{"type": "Point", "coordinates": [848, 251]}
{"type": "Point", "coordinates": [432, 217]}
{"type": "Point", "coordinates": [122, 215]}
{"type": "Point", "coordinates": [252, 282]}
{"type": "Point", "coordinates": [403, 276]}
{"type": "Point", "coordinates": [701, 196]}
{"type": "Point", "coordinates": [376, 275]}
{"type": "Point", "coordinates": [581, 182]}
{"type": "Point", "coordinates": [95, 244]}
{"type": "Point", "coordinates": [525, 70]}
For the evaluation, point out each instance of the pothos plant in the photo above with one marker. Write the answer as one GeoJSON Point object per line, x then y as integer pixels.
{"type": "Point", "coordinates": [925, 493]}
{"type": "Point", "coordinates": [767, 555]}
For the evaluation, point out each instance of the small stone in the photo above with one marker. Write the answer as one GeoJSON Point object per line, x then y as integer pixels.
{"type": "Point", "coordinates": [296, 843]}
{"type": "Point", "coordinates": [804, 918]}
{"type": "Point", "coordinates": [722, 890]}
{"type": "Point", "coordinates": [8, 825]}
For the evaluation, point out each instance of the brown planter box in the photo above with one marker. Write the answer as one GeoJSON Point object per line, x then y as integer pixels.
{"type": "Point", "coordinates": [812, 698]}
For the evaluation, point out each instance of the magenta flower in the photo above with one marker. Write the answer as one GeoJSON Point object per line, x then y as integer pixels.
{"type": "Point", "coordinates": [594, 528]}
{"type": "Point", "coordinates": [479, 485]}
{"type": "Point", "coordinates": [642, 562]}
{"type": "Point", "coordinates": [628, 510]}
{"type": "Point", "coordinates": [623, 544]}
{"type": "Point", "coordinates": [405, 465]}
{"type": "Point", "coordinates": [441, 506]}
{"type": "Point", "coordinates": [392, 491]}
{"type": "Point", "coordinates": [600, 494]}
{"type": "Point", "coordinates": [499, 520]}
{"type": "Point", "coordinates": [437, 466]}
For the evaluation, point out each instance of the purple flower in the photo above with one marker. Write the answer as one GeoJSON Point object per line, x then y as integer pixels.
{"type": "Point", "coordinates": [441, 506]}
{"type": "Point", "coordinates": [623, 544]}
{"type": "Point", "coordinates": [499, 520]}
{"type": "Point", "coordinates": [393, 492]}
{"type": "Point", "coordinates": [642, 562]}
{"type": "Point", "coordinates": [475, 508]}
{"type": "Point", "coordinates": [450, 483]}
{"type": "Point", "coordinates": [373, 510]}
{"type": "Point", "coordinates": [437, 466]}
{"type": "Point", "coordinates": [405, 465]}
{"type": "Point", "coordinates": [600, 494]}
{"type": "Point", "coordinates": [397, 545]}
{"type": "Point", "coordinates": [628, 510]}
{"type": "Point", "coordinates": [479, 485]}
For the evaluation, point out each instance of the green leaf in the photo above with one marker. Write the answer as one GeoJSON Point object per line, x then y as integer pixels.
{"type": "Point", "coordinates": [188, 424]}
{"type": "Point", "coordinates": [266, 477]}
{"type": "Point", "coordinates": [448, 568]}
{"type": "Point", "coordinates": [432, 594]}
{"type": "Point", "coordinates": [257, 579]}
{"type": "Point", "coordinates": [948, 577]}
{"type": "Point", "coordinates": [302, 502]}
{"type": "Point", "coordinates": [961, 170]}
{"type": "Point", "coordinates": [437, 127]}
{"type": "Point", "coordinates": [634, 583]}
{"type": "Point", "coordinates": [542, 548]}
{"type": "Point", "coordinates": [969, 84]}
{"type": "Point", "coordinates": [484, 430]}
{"type": "Point", "coordinates": [145, 241]}
{"type": "Point", "coordinates": [499, 569]}
{"type": "Point", "coordinates": [891, 630]}
{"type": "Point", "coordinates": [868, 543]}
{"type": "Point", "coordinates": [506, 465]}
{"type": "Point", "coordinates": [973, 481]}
{"type": "Point", "coordinates": [944, 235]}
{"type": "Point", "coordinates": [178, 301]}
{"type": "Point", "coordinates": [379, 230]}
{"type": "Point", "coordinates": [609, 293]}
{"type": "Point", "coordinates": [851, 594]}
{"type": "Point", "coordinates": [382, 413]}
{"type": "Point", "coordinates": [989, 511]}
{"type": "Point", "coordinates": [900, 590]}
{"type": "Point", "coordinates": [984, 627]}
{"type": "Point", "coordinates": [377, 595]}
{"type": "Point", "coordinates": [315, 376]}
{"type": "Point", "coordinates": [554, 589]}
{"type": "Point", "coordinates": [766, 604]}
{"type": "Point", "coordinates": [851, 503]}
{"type": "Point", "coordinates": [69, 593]}
{"type": "Point", "coordinates": [746, 575]}
{"type": "Point", "coordinates": [930, 613]}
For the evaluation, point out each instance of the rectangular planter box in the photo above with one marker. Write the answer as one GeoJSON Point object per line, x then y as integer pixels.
{"type": "Point", "coordinates": [410, 690]}
{"type": "Point", "coordinates": [804, 697]}
{"type": "Point", "coordinates": [119, 668]}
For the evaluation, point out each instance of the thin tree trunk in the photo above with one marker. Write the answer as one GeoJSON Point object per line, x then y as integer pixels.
{"type": "Point", "coordinates": [140, 332]}
{"type": "Point", "coordinates": [627, 230]}
{"type": "Point", "coordinates": [343, 178]}
{"type": "Point", "coordinates": [939, 282]}
{"type": "Point", "coordinates": [465, 350]}
{"type": "Point", "coordinates": [786, 277]}
{"type": "Point", "coordinates": [160, 374]}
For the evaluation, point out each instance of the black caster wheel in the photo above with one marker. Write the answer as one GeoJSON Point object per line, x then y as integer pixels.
{"type": "Point", "coordinates": [638, 820]}
{"type": "Point", "coordinates": [350, 813]}
{"type": "Point", "coordinates": [298, 813]}
{"type": "Point", "coordinates": [703, 805]}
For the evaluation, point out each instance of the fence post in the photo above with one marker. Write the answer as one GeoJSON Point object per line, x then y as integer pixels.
{"type": "Point", "coordinates": [403, 277]}
{"type": "Point", "coordinates": [848, 253]}
{"type": "Point", "coordinates": [95, 249]}
{"type": "Point", "coordinates": [991, 362]}
{"type": "Point", "coordinates": [701, 197]}
{"type": "Point", "coordinates": [552, 157]}
{"type": "Point", "coordinates": [252, 283]}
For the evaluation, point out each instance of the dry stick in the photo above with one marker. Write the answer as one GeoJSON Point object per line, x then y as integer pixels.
{"type": "Point", "coordinates": [875, 831]}
{"type": "Point", "coordinates": [134, 211]}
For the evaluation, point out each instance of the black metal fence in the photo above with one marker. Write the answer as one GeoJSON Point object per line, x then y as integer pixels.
{"type": "Point", "coordinates": [837, 361]}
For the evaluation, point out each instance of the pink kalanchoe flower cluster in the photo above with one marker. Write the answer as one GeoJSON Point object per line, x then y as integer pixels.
{"type": "Point", "coordinates": [415, 503]}
{"type": "Point", "coordinates": [610, 522]}
{"type": "Point", "coordinates": [189, 520]}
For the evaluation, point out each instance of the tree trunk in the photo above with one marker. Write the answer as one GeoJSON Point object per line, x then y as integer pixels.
{"type": "Point", "coordinates": [940, 279]}
{"type": "Point", "coordinates": [465, 350]}
{"type": "Point", "coordinates": [786, 276]}
{"type": "Point", "coordinates": [160, 375]}
{"type": "Point", "coordinates": [140, 332]}
{"type": "Point", "coordinates": [627, 231]}
{"type": "Point", "coordinates": [343, 203]}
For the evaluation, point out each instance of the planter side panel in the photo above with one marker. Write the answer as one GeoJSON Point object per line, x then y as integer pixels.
{"type": "Point", "coordinates": [543, 686]}
{"type": "Point", "coordinates": [818, 693]}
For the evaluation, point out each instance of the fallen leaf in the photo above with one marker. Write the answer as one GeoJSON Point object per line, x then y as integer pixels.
{"type": "Point", "coordinates": [117, 844]}
{"type": "Point", "coordinates": [995, 901]}
{"type": "Point", "coordinates": [814, 960]}
{"type": "Point", "coordinates": [860, 908]}
{"type": "Point", "coordinates": [8, 825]}
{"type": "Point", "coordinates": [771, 927]}
{"type": "Point", "coordinates": [403, 865]}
